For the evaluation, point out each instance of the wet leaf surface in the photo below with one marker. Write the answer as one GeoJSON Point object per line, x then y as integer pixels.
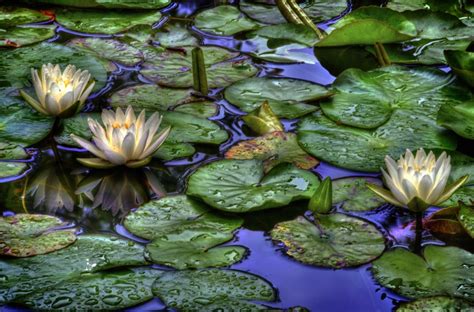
{"type": "Point", "coordinates": [21, 36]}
{"type": "Point", "coordinates": [110, 4]}
{"type": "Point", "coordinates": [435, 303]}
{"type": "Point", "coordinates": [442, 271]}
{"type": "Point", "coordinates": [241, 185]}
{"type": "Point", "coordinates": [288, 98]}
{"type": "Point", "coordinates": [213, 289]}
{"type": "Point", "coordinates": [184, 233]}
{"type": "Point", "coordinates": [25, 235]}
{"type": "Point", "coordinates": [224, 20]}
{"type": "Point", "coordinates": [337, 241]}
{"type": "Point", "coordinates": [354, 195]}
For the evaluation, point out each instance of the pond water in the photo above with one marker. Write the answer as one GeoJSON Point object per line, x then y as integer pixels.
{"type": "Point", "coordinates": [318, 289]}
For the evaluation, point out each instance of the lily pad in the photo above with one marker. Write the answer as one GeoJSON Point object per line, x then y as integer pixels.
{"type": "Point", "coordinates": [109, 49]}
{"type": "Point", "coordinates": [365, 150]}
{"type": "Point", "coordinates": [273, 149]}
{"type": "Point", "coordinates": [466, 218]}
{"type": "Point", "coordinates": [462, 63]}
{"type": "Point", "coordinates": [12, 16]}
{"type": "Point", "coordinates": [15, 65]}
{"type": "Point", "coordinates": [438, 303]}
{"type": "Point", "coordinates": [9, 169]}
{"type": "Point", "coordinates": [241, 185]}
{"type": "Point", "coordinates": [185, 233]}
{"type": "Point", "coordinates": [317, 10]}
{"type": "Point", "coordinates": [288, 98]}
{"type": "Point", "coordinates": [173, 68]}
{"type": "Point", "coordinates": [104, 22]}
{"type": "Point", "coordinates": [442, 271]}
{"type": "Point", "coordinates": [25, 235]}
{"type": "Point", "coordinates": [153, 97]}
{"type": "Point", "coordinates": [21, 36]}
{"type": "Point", "coordinates": [109, 4]}
{"type": "Point", "coordinates": [337, 241]}
{"type": "Point", "coordinates": [97, 291]}
{"type": "Point", "coordinates": [354, 195]}
{"type": "Point", "coordinates": [464, 194]}
{"type": "Point", "coordinates": [224, 20]}
{"type": "Point", "coordinates": [459, 118]}
{"type": "Point", "coordinates": [368, 25]}
{"type": "Point", "coordinates": [283, 43]}
{"type": "Point", "coordinates": [368, 99]}
{"type": "Point", "coordinates": [213, 290]}
{"type": "Point", "coordinates": [175, 36]}
{"type": "Point", "coordinates": [90, 253]}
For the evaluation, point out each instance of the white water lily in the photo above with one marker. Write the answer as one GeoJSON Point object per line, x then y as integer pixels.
{"type": "Point", "coordinates": [123, 140]}
{"type": "Point", "coordinates": [60, 94]}
{"type": "Point", "coordinates": [417, 181]}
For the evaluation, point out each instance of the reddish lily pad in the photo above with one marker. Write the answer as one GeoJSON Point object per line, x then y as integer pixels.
{"type": "Point", "coordinates": [25, 235]}
{"type": "Point", "coordinates": [273, 148]}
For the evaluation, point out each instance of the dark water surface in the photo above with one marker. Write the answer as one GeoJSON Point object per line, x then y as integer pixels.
{"type": "Point", "coordinates": [317, 289]}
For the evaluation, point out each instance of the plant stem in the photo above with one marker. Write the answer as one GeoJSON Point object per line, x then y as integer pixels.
{"type": "Point", "coordinates": [57, 123]}
{"type": "Point", "coordinates": [199, 71]}
{"type": "Point", "coordinates": [418, 232]}
{"type": "Point", "coordinates": [382, 55]}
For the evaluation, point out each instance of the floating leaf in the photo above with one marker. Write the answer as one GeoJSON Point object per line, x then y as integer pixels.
{"type": "Point", "coordinates": [15, 65]}
{"type": "Point", "coordinates": [97, 291]}
{"type": "Point", "coordinates": [317, 10]}
{"type": "Point", "coordinates": [354, 195]}
{"type": "Point", "coordinates": [9, 169]}
{"type": "Point", "coordinates": [109, 49]}
{"type": "Point", "coordinates": [368, 25]}
{"type": "Point", "coordinates": [90, 253]}
{"type": "Point", "coordinates": [288, 98]}
{"type": "Point", "coordinates": [336, 241]}
{"type": "Point", "coordinates": [213, 290]}
{"type": "Point", "coordinates": [442, 271]}
{"type": "Point", "coordinates": [462, 63]}
{"type": "Point", "coordinates": [464, 194]}
{"type": "Point", "coordinates": [338, 59]}
{"type": "Point", "coordinates": [241, 186]}
{"type": "Point", "coordinates": [365, 150]}
{"type": "Point", "coordinates": [109, 4]}
{"type": "Point", "coordinates": [25, 235]}
{"type": "Point", "coordinates": [273, 149]}
{"type": "Point", "coordinates": [459, 118]}
{"type": "Point", "coordinates": [12, 16]}
{"type": "Point", "coordinates": [21, 36]}
{"type": "Point", "coordinates": [153, 97]}
{"type": "Point", "coordinates": [175, 36]}
{"type": "Point", "coordinates": [104, 22]}
{"type": "Point", "coordinates": [224, 20]}
{"type": "Point", "coordinates": [466, 218]}
{"type": "Point", "coordinates": [184, 233]}
{"type": "Point", "coordinates": [263, 120]}
{"type": "Point", "coordinates": [173, 67]}
{"type": "Point", "coordinates": [438, 303]}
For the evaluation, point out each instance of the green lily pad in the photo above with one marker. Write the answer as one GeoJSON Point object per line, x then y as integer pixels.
{"type": "Point", "coordinates": [241, 186]}
{"type": "Point", "coordinates": [462, 63]}
{"type": "Point", "coordinates": [442, 271]}
{"type": "Point", "coordinates": [25, 235]}
{"type": "Point", "coordinates": [288, 98]}
{"type": "Point", "coordinates": [12, 16]}
{"type": "Point", "coordinates": [90, 253]}
{"type": "Point", "coordinates": [109, 49]}
{"type": "Point", "coordinates": [354, 194]}
{"type": "Point", "coordinates": [174, 36]}
{"type": "Point", "coordinates": [9, 169]}
{"type": "Point", "coordinates": [109, 4]}
{"type": "Point", "coordinates": [365, 150]}
{"type": "Point", "coordinates": [173, 150]}
{"type": "Point", "coordinates": [464, 194]}
{"type": "Point", "coordinates": [459, 118]}
{"type": "Point", "coordinates": [97, 291]}
{"type": "Point", "coordinates": [173, 67]}
{"type": "Point", "coordinates": [21, 36]}
{"type": "Point", "coordinates": [213, 290]}
{"type": "Point", "coordinates": [281, 43]}
{"type": "Point", "coordinates": [317, 10]}
{"type": "Point", "coordinates": [438, 303]}
{"type": "Point", "coordinates": [184, 233]}
{"type": "Point", "coordinates": [368, 99]}
{"type": "Point", "coordinates": [273, 149]}
{"type": "Point", "coordinates": [337, 241]}
{"type": "Point", "coordinates": [368, 25]}
{"type": "Point", "coordinates": [153, 97]}
{"type": "Point", "coordinates": [15, 65]}
{"type": "Point", "coordinates": [454, 7]}
{"type": "Point", "coordinates": [104, 22]}
{"type": "Point", "coordinates": [338, 59]}
{"type": "Point", "coordinates": [224, 20]}
{"type": "Point", "coordinates": [466, 218]}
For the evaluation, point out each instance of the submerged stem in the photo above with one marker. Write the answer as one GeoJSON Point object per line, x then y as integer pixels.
{"type": "Point", "coordinates": [418, 232]}
{"type": "Point", "coordinates": [382, 55]}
